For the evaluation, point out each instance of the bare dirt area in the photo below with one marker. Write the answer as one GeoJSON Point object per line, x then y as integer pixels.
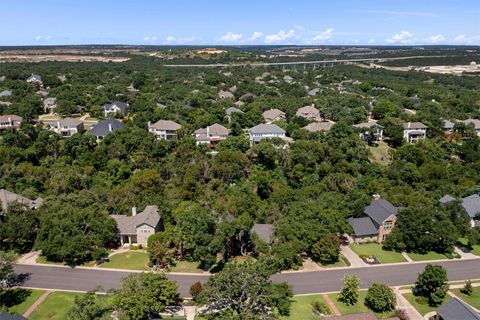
{"type": "Point", "coordinates": [58, 57]}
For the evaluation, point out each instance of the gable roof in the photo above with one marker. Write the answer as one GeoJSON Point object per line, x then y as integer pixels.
{"type": "Point", "coordinates": [105, 127]}
{"type": "Point", "coordinates": [129, 224]}
{"type": "Point", "coordinates": [307, 110]}
{"type": "Point", "coordinates": [5, 93]}
{"type": "Point", "coordinates": [266, 128]}
{"type": "Point", "coordinates": [474, 122]}
{"type": "Point", "coordinates": [379, 210]}
{"type": "Point", "coordinates": [120, 105]}
{"type": "Point", "coordinates": [10, 117]}
{"type": "Point", "coordinates": [319, 126]}
{"type": "Point", "coordinates": [456, 309]}
{"type": "Point", "coordinates": [8, 197]}
{"type": "Point", "coordinates": [71, 122]}
{"type": "Point", "coordinates": [34, 77]}
{"type": "Point", "coordinates": [414, 125]}
{"type": "Point", "coordinates": [166, 125]}
{"type": "Point", "coordinates": [363, 226]}
{"type": "Point", "coordinates": [263, 231]}
{"type": "Point", "coordinates": [471, 204]}
{"type": "Point", "coordinates": [231, 110]}
{"type": "Point", "coordinates": [214, 129]}
{"type": "Point", "coordinates": [448, 124]}
{"type": "Point", "coordinates": [446, 199]}
{"type": "Point", "coordinates": [272, 114]}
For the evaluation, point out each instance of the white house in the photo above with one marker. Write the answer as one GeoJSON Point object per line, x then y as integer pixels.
{"type": "Point", "coordinates": [111, 110]}
{"type": "Point", "coordinates": [164, 129]}
{"type": "Point", "coordinates": [414, 131]}
{"type": "Point", "coordinates": [265, 131]}
{"type": "Point", "coordinates": [10, 121]}
{"type": "Point", "coordinates": [211, 135]}
{"type": "Point", "coordinates": [66, 127]}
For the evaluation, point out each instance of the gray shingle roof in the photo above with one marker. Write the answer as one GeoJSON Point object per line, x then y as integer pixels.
{"type": "Point", "coordinates": [471, 205]}
{"type": "Point", "coordinates": [166, 125]}
{"type": "Point", "coordinates": [267, 128]}
{"type": "Point", "coordinates": [314, 92]}
{"type": "Point", "coordinates": [414, 125]}
{"type": "Point", "coordinates": [120, 105]}
{"type": "Point", "coordinates": [446, 199]}
{"type": "Point", "coordinates": [319, 126]}
{"type": "Point", "coordinates": [5, 93]}
{"type": "Point", "coordinates": [456, 309]}
{"type": "Point", "coordinates": [8, 197]}
{"type": "Point", "coordinates": [379, 210]}
{"type": "Point", "coordinates": [363, 226]}
{"type": "Point", "coordinates": [71, 122]}
{"type": "Point", "coordinates": [232, 110]}
{"type": "Point", "coordinates": [102, 128]}
{"type": "Point", "coordinates": [263, 231]}
{"type": "Point", "coordinates": [448, 124]}
{"type": "Point", "coordinates": [7, 316]}
{"type": "Point", "coordinates": [128, 224]}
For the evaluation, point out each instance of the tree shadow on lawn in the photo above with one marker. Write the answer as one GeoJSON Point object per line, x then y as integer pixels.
{"type": "Point", "coordinates": [13, 297]}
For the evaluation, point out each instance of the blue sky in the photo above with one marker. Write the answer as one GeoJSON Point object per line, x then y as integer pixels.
{"type": "Point", "coordinates": [215, 22]}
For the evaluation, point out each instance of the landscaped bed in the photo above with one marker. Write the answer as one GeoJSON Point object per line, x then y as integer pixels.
{"type": "Point", "coordinates": [55, 307]}
{"type": "Point", "coordinates": [375, 250]}
{"type": "Point", "coordinates": [421, 304]}
{"type": "Point", "coordinates": [19, 300]}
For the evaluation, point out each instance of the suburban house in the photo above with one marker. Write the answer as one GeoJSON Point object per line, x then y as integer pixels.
{"type": "Point", "coordinates": [10, 121]}
{"type": "Point", "coordinates": [211, 135]}
{"type": "Point", "coordinates": [66, 127]}
{"type": "Point", "coordinates": [475, 123]}
{"type": "Point", "coordinates": [456, 309]}
{"type": "Point", "coordinates": [137, 228]}
{"type": "Point", "coordinates": [247, 97]}
{"type": "Point", "coordinates": [35, 79]}
{"type": "Point", "coordinates": [105, 127]}
{"type": "Point", "coordinates": [49, 104]}
{"type": "Point", "coordinates": [309, 113]}
{"type": "Point", "coordinates": [471, 204]}
{"type": "Point", "coordinates": [367, 127]}
{"type": "Point", "coordinates": [164, 129]}
{"type": "Point", "coordinates": [448, 126]}
{"type": "Point", "coordinates": [379, 221]}
{"type": "Point", "coordinates": [319, 126]}
{"type": "Point", "coordinates": [5, 93]}
{"type": "Point", "coordinates": [7, 198]}
{"type": "Point", "coordinates": [225, 95]}
{"type": "Point", "coordinates": [414, 131]}
{"type": "Point", "coordinates": [314, 92]}
{"type": "Point", "coordinates": [112, 109]}
{"type": "Point", "coordinates": [265, 131]}
{"type": "Point", "coordinates": [230, 111]}
{"type": "Point", "coordinates": [263, 231]}
{"type": "Point", "coordinates": [273, 115]}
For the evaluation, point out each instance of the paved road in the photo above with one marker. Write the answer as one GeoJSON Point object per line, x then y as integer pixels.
{"type": "Point", "coordinates": [302, 282]}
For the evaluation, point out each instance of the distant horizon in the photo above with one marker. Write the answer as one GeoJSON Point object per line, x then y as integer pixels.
{"type": "Point", "coordinates": [216, 22]}
{"type": "Point", "coordinates": [241, 45]}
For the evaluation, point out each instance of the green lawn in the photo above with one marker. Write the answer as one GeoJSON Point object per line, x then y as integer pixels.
{"type": "Point", "coordinates": [426, 257]}
{"type": "Point", "coordinates": [42, 259]}
{"type": "Point", "coordinates": [55, 307]}
{"type": "Point", "coordinates": [340, 263]}
{"type": "Point", "coordinates": [302, 308]}
{"type": "Point", "coordinates": [375, 249]}
{"type": "Point", "coordinates": [132, 260]}
{"type": "Point", "coordinates": [185, 266]}
{"type": "Point", "coordinates": [358, 308]}
{"type": "Point", "coordinates": [420, 303]}
{"type": "Point", "coordinates": [19, 300]}
{"type": "Point", "coordinates": [473, 299]}
{"type": "Point", "coordinates": [476, 250]}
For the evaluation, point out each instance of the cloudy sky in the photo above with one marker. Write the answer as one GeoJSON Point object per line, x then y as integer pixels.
{"type": "Point", "coordinates": [229, 22]}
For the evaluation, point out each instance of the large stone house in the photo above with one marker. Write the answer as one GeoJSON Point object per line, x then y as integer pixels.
{"type": "Point", "coordinates": [10, 121]}
{"type": "Point", "coordinates": [7, 198]}
{"type": "Point", "coordinates": [137, 228]}
{"type": "Point", "coordinates": [111, 110]}
{"type": "Point", "coordinates": [273, 115]}
{"type": "Point", "coordinates": [265, 131]}
{"type": "Point", "coordinates": [164, 129]}
{"type": "Point", "coordinates": [379, 220]}
{"type": "Point", "coordinates": [471, 204]}
{"type": "Point", "coordinates": [211, 135]}
{"type": "Point", "coordinates": [414, 131]}
{"type": "Point", "coordinates": [104, 128]}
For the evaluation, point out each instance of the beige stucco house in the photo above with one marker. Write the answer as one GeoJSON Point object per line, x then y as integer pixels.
{"type": "Point", "coordinates": [137, 228]}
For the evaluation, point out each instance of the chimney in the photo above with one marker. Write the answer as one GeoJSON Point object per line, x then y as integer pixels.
{"type": "Point", "coordinates": [376, 196]}
{"type": "Point", "coordinates": [109, 127]}
{"type": "Point", "coordinates": [134, 211]}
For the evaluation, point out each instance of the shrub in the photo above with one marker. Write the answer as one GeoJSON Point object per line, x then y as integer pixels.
{"type": "Point", "coordinates": [349, 293]}
{"type": "Point", "coordinates": [467, 289]}
{"type": "Point", "coordinates": [380, 298]}
{"type": "Point", "coordinates": [327, 250]}
{"type": "Point", "coordinates": [196, 290]}
{"type": "Point", "coordinates": [321, 308]}
{"type": "Point", "coordinates": [401, 314]}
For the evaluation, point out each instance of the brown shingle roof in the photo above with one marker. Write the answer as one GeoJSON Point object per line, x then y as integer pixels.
{"type": "Point", "coordinates": [166, 125]}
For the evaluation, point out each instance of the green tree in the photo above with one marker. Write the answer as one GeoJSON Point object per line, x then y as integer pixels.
{"type": "Point", "coordinates": [88, 307]}
{"type": "Point", "coordinates": [143, 296]}
{"type": "Point", "coordinates": [380, 298]}
{"type": "Point", "coordinates": [18, 228]}
{"type": "Point", "coordinates": [432, 284]}
{"type": "Point", "coordinates": [349, 292]}
{"type": "Point", "coordinates": [468, 288]}
{"type": "Point", "coordinates": [327, 249]}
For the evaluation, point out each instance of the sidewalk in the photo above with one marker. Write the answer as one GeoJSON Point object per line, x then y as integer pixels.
{"type": "Point", "coordinates": [35, 305]}
{"type": "Point", "coordinates": [403, 304]}
{"type": "Point", "coordinates": [355, 260]}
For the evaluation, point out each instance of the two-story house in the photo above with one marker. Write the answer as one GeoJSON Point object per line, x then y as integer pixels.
{"type": "Point", "coordinates": [111, 109]}
{"type": "Point", "coordinates": [66, 127]}
{"type": "Point", "coordinates": [36, 80]}
{"type": "Point", "coordinates": [137, 228]}
{"type": "Point", "coordinates": [414, 131]}
{"type": "Point", "coordinates": [273, 115]}
{"type": "Point", "coordinates": [10, 121]}
{"type": "Point", "coordinates": [104, 128]}
{"type": "Point", "coordinates": [379, 220]}
{"type": "Point", "coordinates": [309, 113]}
{"type": "Point", "coordinates": [265, 131]}
{"type": "Point", "coordinates": [50, 104]}
{"type": "Point", "coordinates": [164, 129]}
{"type": "Point", "coordinates": [211, 135]}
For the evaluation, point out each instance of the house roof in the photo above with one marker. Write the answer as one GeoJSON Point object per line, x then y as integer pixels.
{"type": "Point", "coordinates": [356, 316]}
{"type": "Point", "coordinates": [34, 77]}
{"type": "Point", "coordinates": [8, 316]}
{"type": "Point", "coordinates": [231, 110]}
{"type": "Point", "coordinates": [363, 226]}
{"type": "Point", "coordinates": [307, 110]}
{"type": "Point", "coordinates": [50, 100]}
{"type": "Point", "coordinates": [129, 224]}
{"type": "Point", "coordinates": [456, 309]}
{"type": "Point", "coordinates": [471, 205]}
{"type": "Point", "coordinates": [166, 125]}
{"type": "Point", "coordinates": [120, 105]}
{"type": "Point", "coordinates": [225, 94]}
{"type": "Point", "coordinates": [379, 210]}
{"type": "Point", "coordinates": [273, 113]}
{"type": "Point", "coordinates": [71, 122]}
{"type": "Point", "coordinates": [319, 126]}
{"type": "Point", "coordinates": [367, 125]}
{"type": "Point", "coordinates": [12, 117]}
{"type": "Point", "coordinates": [5, 93]}
{"type": "Point", "coordinates": [263, 231]}
{"type": "Point", "coordinates": [214, 129]}
{"type": "Point", "coordinates": [8, 197]}
{"type": "Point", "coordinates": [474, 122]}
{"type": "Point", "coordinates": [267, 128]}
{"type": "Point", "coordinates": [448, 124]}
{"type": "Point", "coordinates": [446, 199]}
{"type": "Point", "coordinates": [414, 125]}
{"type": "Point", "coordinates": [314, 92]}
{"type": "Point", "coordinates": [102, 128]}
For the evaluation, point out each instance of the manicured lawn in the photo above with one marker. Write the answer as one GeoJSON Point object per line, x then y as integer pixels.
{"type": "Point", "coordinates": [42, 259]}
{"type": "Point", "coordinates": [421, 304]}
{"type": "Point", "coordinates": [22, 299]}
{"type": "Point", "coordinates": [375, 249]}
{"type": "Point", "coordinates": [476, 250]}
{"type": "Point", "coordinates": [359, 307]}
{"type": "Point", "coordinates": [427, 257]}
{"type": "Point", "coordinates": [185, 266]}
{"type": "Point", "coordinates": [132, 260]}
{"type": "Point", "coordinates": [55, 307]}
{"type": "Point", "coordinates": [301, 308]}
{"type": "Point", "coordinates": [473, 299]}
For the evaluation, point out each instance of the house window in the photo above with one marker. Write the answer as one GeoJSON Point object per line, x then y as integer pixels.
{"type": "Point", "coordinates": [388, 225]}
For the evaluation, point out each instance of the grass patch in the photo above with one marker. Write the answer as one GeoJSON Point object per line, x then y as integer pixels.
{"type": "Point", "coordinates": [380, 154]}
{"type": "Point", "coordinates": [421, 304]}
{"type": "Point", "coordinates": [43, 260]}
{"type": "Point", "coordinates": [342, 262]}
{"type": "Point", "coordinates": [55, 307]}
{"type": "Point", "coordinates": [185, 266]}
{"type": "Point", "coordinates": [375, 249]}
{"type": "Point", "coordinates": [19, 300]}
{"type": "Point", "coordinates": [358, 308]}
{"type": "Point", "coordinates": [475, 250]}
{"type": "Point", "coordinates": [132, 260]}
{"type": "Point", "coordinates": [427, 257]}
{"type": "Point", "coordinates": [473, 299]}
{"type": "Point", "coordinates": [301, 308]}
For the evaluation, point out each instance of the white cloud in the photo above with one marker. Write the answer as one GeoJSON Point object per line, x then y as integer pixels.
{"type": "Point", "coordinates": [231, 37]}
{"type": "Point", "coordinates": [356, 41]}
{"type": "Point", "coordinates": [324, 35]}
{"type": "Point", "coordinates": [150, 38]}
{"type": "Point", "coordinates": [371, 40]}
{"type": "Point", "coordinates": [436, 38]}
{"type": "Point", "coordinates": [43, 38]}
{"type": "Point", "coordinates": [280, 36]}
{"type": "Point", "coordinates": [464, 39]}
{"type": "Point", "coordinates": [404, 37]}
{"type": "Point", "coordinates": [177, 40]}
{"type": "Point", "coordinates": [170, 39]}
{"type": "Point", "coordinates": [255, 36]}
